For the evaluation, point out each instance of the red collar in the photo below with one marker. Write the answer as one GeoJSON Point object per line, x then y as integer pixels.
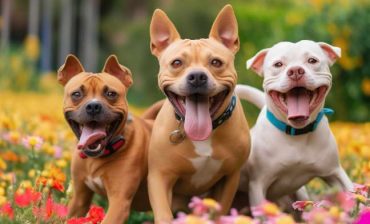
{"type": "Point", "coordinates": [112, 146]}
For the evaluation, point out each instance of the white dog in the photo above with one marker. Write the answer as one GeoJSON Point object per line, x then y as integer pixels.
{"type": "Point", "coordinates": [291, 140]}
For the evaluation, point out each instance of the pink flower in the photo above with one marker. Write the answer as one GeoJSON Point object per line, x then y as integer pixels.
{"type": "Point", "coordinates": [33, 142]}
{"type": "Point", "coordinates": [235, 218]}
{"type": "Point", "coordinates": [361, 189]}
{"type": "Point", "coordinates": [364, 217]}
{"type": "Point", "coordinates": [58, 152]}
{"type": "Point", "coordinates": [302, 205]}
{"type": "Point", "coordinates": [202, 206]}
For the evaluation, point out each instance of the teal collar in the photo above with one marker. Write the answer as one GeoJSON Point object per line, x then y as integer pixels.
{"type": "Point", "coordinates": [297, 131]}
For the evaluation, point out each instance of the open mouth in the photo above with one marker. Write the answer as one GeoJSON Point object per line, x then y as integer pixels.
{"type": "Point", "coordinates": [93, 136]}
{"type": "Point", "coordinates": [198, 111]}
{"type": "Point", "coordinates": [298, 102]}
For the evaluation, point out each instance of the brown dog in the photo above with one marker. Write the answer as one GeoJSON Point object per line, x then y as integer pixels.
{"type": "Point", "coordinates": [200, 137]}
{"type": "Point", "coordinates": [111, 155]}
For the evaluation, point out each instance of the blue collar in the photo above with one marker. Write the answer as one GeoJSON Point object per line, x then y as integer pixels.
{"type": "Point", "coordinates": [294, 131]}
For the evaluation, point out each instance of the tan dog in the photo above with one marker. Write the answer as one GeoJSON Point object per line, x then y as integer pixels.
{"type": "Point", "coordinates": [111, 155]}
{"type": "Point", "coordinates": [201, 149]}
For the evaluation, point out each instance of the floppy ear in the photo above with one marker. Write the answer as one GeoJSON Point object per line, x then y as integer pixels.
{"type": "Point", "coordinates": [225, 29]}
{"type": "Point", "coordinates": [332, 52]}
{"type": "Point", "coordinates": [71, 67]}
{"type": "Point", "coordinates": [162, 32]}
{"type": "Point", "coordinates": [257, 61]}
{"type": "Point", "coordinates": [113, 67]}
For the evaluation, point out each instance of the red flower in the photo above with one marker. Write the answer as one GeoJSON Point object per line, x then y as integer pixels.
{"type": "Point", "coordinates": [25, 199]}
{"type": "Point", "coordinates": [96, 214]}
{"type": "Point", "coordinates": [7, 210]}
{"type": "Point", "coordinates": [80, 220]}
{"type": "Point", "coordinates": [51, 208]}
{"type": "Point", "coordinates": [58, 186]}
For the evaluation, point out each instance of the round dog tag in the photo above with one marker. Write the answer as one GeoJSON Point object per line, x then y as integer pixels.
{"type": "Point", "coordinates": [177, 136]}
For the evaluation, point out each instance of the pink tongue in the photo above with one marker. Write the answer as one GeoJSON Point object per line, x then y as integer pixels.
{"type": "Point", "coordinates": [90, 135]}
{"type": "Point", "coordinates": [298, 102]}
{"type": "Point", "coordinates": [198, 122]}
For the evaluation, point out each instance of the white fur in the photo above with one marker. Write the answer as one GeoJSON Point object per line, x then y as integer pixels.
{"type": "Point", "coordinates": [280, 164]}
{"type": "Point", "coordinates": [206, 167]}
{"type": "Point", "coordinates": [95, 183]}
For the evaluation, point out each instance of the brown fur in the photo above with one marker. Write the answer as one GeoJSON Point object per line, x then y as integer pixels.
{"type": "Point", "coordinates": [170, 166]}
{"type": "Point", "coordinates": [123, 174]}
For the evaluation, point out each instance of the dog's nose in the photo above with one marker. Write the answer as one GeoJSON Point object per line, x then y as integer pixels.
{"type": "Point", "coordinates": [93, 108]}
{"type": "Point", "coordinates": [296, 73]}
{"type": "Point", "coordinates": [197, 79]}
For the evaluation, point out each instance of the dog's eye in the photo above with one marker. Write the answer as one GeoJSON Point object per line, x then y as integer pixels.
{"type": "Point", "coordinates": [176, 63]}
{"type": "Point", "coordinates": [312, 60]}
{"type": "Point", "coordinates": [278, 64]}
{"type": "Point", "coordinates": [216, 63]}
{"type": "Point", "coordinates": [111, 94]}
{"type": "Point", "coordinates": [76, 95]}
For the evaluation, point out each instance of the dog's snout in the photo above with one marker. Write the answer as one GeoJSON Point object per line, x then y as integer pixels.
{"type": "Point", "coordinates": [93, 108]}
{"type": "Point", "coordinates": [296, 73]}
{"type": "Point", "coordinates": [197, 79]}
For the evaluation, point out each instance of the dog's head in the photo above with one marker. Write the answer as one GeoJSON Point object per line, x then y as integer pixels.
{"type": "Point", "coordinates": [198, 76]}
{"type": "Point", "coordinates": [95, 104]}
{"type": "Point", "coordinates": [296, 78]}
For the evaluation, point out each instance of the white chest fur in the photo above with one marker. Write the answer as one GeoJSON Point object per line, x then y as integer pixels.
{"type": "Point", "coordinates": [95, 183]}
{"type": "Point", "coordinates": [206, 167]}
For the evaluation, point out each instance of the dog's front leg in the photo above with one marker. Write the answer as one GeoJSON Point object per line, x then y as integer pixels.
{"type": "Point", "coordinates": [256, 192]}
{"type": "Point", "coordinates": [81, 199]}
{"type": "Point", "coordinates": [225, 191]}
{"type": "Point", "coordinates": [120, 193]}
{"type": "Point", "coordinates": [160, 194]}
{"type": "Point", "coordinates": [339, 179]}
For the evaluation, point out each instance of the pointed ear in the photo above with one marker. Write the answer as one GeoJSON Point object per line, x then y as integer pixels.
{"type": "Point", "coordinates": [71, 67]}
{"type": "Point", "coordinates": [162, 32]}
{"type": "Point", "coordinates": [332, 52]}
{"type": "Point", "coordinates": [225, 29]}
{"type": "Point", "coordinates": [113, 67]}
{"type": "Point", "coordinates": [257, 61]}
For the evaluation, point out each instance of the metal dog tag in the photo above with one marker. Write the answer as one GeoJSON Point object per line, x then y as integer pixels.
{"type": "Point", "coordinates": [177, 136]}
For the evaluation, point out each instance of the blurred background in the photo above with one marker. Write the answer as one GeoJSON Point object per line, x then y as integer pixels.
{"type": "Point", "coordinates": [36, 36]}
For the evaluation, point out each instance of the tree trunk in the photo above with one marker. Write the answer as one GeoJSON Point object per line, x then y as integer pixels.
{"type": "Point", "coordinates": [89, 34]}
{"type": "Point", "coordinates": [67, 16]}
{"type": "Point", "coordinates": [5, 30]}
{"type": "Point", "coordinates": [46, 36]}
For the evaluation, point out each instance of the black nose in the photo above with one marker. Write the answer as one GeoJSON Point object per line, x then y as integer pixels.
{"type": "Point", "coordinates": [197, 79]}
{"type": "Point", "coordinates": [93, 108]}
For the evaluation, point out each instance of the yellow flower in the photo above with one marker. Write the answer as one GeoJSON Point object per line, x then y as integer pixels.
{"type": "Point", "coordinates": [334, 212]}
{"type": "Point", "coordinates": [61, 163]}
{"type": "Point", "coordinates": [285, 219]}
{"type": "Point", "coordinates": [32, 173]}
{"type": "Point", "coordinates": [14, 136]}
{"type": "Point", "coordinates": [2, 165]}
{"type": "Point", "coordinates": [366, 86]}
{"type": "Point", "coordinates": [2, 200]}
{"type": "Point", "coordinates": [243, 220]}
{"type": "Point", "coordinates": [191, 219]}
{"type": "Point", "coordinates": [32, 47]}
{"type": "Point", "coordinates": [210, 203]}
{"type": "Point", "coordinates": [26, 184]}
{"type": "Point", "coordinates": [270, 209]}
{"type": "Point", "coordinates": [2, 191]}
{"type": "Point", "coordinates": [360, 198]}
